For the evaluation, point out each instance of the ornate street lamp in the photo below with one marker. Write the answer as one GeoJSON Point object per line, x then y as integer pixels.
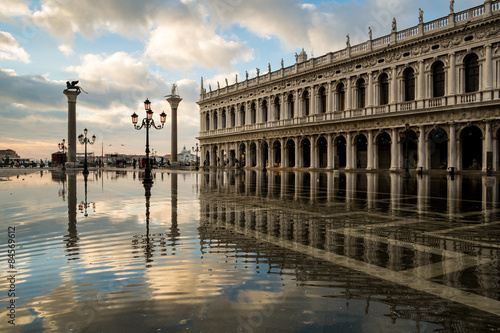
{"type": "Point", "coordinates": [148, 122]}
{"type": "Point", "coordinates": [63, 147]}
{"type": "Point", "coordinates": [84, 140]}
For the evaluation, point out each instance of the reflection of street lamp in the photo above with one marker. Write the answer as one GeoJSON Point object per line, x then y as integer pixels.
{"type": "Point", "coordinates": [63, 147]}
{"type": "Point", "coordinates": [84, 140]}
{"type": "Point", "coordinates": [84, 204]}
{"type": "Point", "coordinates": [148, 122]}
{"type": "Point", "coordinates": [196, 151]}
{"type": "Point", "coordinates": [406, 137]}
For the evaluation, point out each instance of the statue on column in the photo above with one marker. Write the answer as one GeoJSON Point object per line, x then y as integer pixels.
{"type": "Point", "coordinates": [269, 67]}
{"type": "Point", "coordinates": [348, 41]}
{"type": "Point", "coordinates": [227, 83]}
{"type": "Point", "coordinates": [73, 86]}
{"type": "Point", "coordinates": [282, 63]}
{"type": "Point", "coordinates": [420, 15]}
{"type": "Point", "coordinates": [258, 71]}
{"type": "Point", "coordinates": [370, 33]}
{"type": "Point", "coordinates": [394, 25]}
{"type": "Point", "coordinates": [452, 6]}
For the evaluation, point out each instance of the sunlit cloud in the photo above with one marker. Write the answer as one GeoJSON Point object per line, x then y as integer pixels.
{"type": "Point", "coordinates": [10, 49]}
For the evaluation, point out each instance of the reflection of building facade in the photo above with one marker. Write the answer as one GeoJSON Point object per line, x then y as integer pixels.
{"type": "Point", "coordinates": [348, 109]}
{"type": "Point", "coordinates": [349, 230]}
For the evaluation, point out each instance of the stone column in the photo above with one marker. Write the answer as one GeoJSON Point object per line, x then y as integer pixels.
{"type": "Point", "coordinates": [394, 149]}
{"type": "Point", "coordinates": [297, 160]}
{"type": "Point", "coordinates": [348, 95]}
{"type": "Point", "coordinates": [452, 160]}
{"type": "Point", "coordinates": [488, 74]}
{"type": "Point", "coordinates": [488, 146]}
{"type": "Point", "coordinates": [282, 141]}
{"type": "Point", "coordinates": [394, 86]}
{"type": "Point", "coordinates": [329, 151]}
{"type": "Point", "coordinates": [421, 84]}
{"type": "Point", "coordinates": [421, 149]}
{"type": "Point", "coordinates": [369, 152]}
{"type": "Point", "coordinates": [452, 78]}
{"type": "Point", "coordinates": [348, 151]}
{"type": "Point", "coordinates": [71, 95]}
{"type": "Point", "coordinates": [174, 101]}
{"type": "Point", "coordinates": [370, 88]}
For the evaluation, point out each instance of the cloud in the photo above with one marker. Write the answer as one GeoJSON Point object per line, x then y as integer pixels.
{"type": "Point", "coordinates": [10, 49]}
{"type": "Point", "coordinates": [13, 8]}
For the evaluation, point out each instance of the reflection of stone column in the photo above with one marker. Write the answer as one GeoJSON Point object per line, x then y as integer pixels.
{"type": "Point", "coordinates": [71, 95]}
{"type": "Point", "coordinates": [72, 238]}
{"type": "Point", "coordinates": [370, 190]}
{"type": "Point", "coordinates": [395, 191]}
{"type": "Point", "coordinates": [174, 101]}
{"type": "Point", "coordinates": [453, 196]}
{"type": "Point", "coordinates": [422, 193]}
{"type": "Point", "coordinates": [174, 230]}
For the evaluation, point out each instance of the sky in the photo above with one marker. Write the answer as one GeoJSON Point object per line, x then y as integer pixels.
{"type": "Point", "coordinates": [124, 51]}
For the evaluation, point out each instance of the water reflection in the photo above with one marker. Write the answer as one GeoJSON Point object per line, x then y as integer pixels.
{"type": "Point", "coordinates": [374, 235]}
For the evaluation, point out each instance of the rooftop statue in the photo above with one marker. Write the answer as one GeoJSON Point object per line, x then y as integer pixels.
{"type": "Point", "coordinates": [73, 86]}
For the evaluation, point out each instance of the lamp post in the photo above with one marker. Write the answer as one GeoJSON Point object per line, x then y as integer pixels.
{"type": "Point", "coordinates": [84, 205]}
{"type": "Point", "coordinates": [148, 122]}
{"type": "Point", "coordinates": [84, 140]}
{"type": "Point", "coordinates": [63, 147]}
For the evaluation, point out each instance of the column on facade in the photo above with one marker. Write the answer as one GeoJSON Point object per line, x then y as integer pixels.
{"type": "Point", "coordinates": [370, 89]}
{"type": "Point", "coordinates": [348, 151]}
{"type": "Point", "coordinates": [452, 158]}
{"type": "Point", "coordinates": [297, 159]}
{"type": "Point", "coordinates": [394, 86]}
{"type": "Point", "coordinates": [488, 146]}
{"type": "Point", "coordinates": [329, 150]}
{"type": "Point", "coordinates": [335, 98]}
{"type": "Point", "coordinates": [369, 152]}
{"type": "Point", "coordinates": [394, 149]}
{"type": "Point", "coordinates": [312, 98]}
{"type": "Point", "coordinates": [248, 113]}
{"type": "Point", "coordinates": [329, 96]}
{"type": "Point", "coordinates": [237, 115]}
{"type": "Point", "coordinates": [422, 154]}
{"type": "Point", "coordinates": [282, 141]}
{"type": "Point", "coordinates": [488, 73]}
{"type": "Point", "coordinates": [296, 104]}
{"type": "Point", "coordinates": [313, 150]}
{"type": "Point", "coordinates": [421, 83]}
{"type": "Point", "coordinates": [452, 79]}
{"type": "Point", "coordinates": [348, 94]}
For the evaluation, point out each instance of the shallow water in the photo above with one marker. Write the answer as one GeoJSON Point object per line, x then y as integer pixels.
{"type": "Point", "coordinates": [249, 252]}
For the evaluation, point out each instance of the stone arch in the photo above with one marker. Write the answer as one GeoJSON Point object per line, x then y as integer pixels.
{"type": "Point", "coordinates": [322, 152]}
{"type": "Point", "coordinates": [276, 153]}
{"type": "Point", "coordinates": [383, 143]}
{"type": "Point", "coordinates": [471, 141]}
{"type": "Point", "coordinates": [360, 145]}
{"type": "Point", "coordinates": [340, 156]}
{"type": "Point", "coordinates": [305, 152]}
{"type": "Point", "coordinates": [437, 140]}
{"type": "Point", "coordinates": [290, 153]}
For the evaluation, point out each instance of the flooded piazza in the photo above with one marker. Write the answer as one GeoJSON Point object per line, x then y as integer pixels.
{"type": "Point", "coordinates": [249, 251]}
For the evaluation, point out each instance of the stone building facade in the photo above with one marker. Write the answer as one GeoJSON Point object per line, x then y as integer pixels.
{"type": "Point", "coordinates": [427, 97]}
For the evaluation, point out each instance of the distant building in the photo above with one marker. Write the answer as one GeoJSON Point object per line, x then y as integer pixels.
{"type": "Point", "coordinates": [185, 156]}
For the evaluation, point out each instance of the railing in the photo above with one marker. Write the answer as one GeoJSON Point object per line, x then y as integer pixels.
{"type": "Point", "coordinates": [407, 106]}
{"type": "Point", "coordinates": [381, 109]}
{"type": "Point", "coordinates": [469, 98]}
{"type": "Point", "coordinates": [436, 102]}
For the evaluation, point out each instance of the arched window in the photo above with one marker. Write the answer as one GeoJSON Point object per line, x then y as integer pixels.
{"type": "Point", "coordinates": [277, 109]}
{"type": "Point", "coordinates": [409, 79]}
{"type": "Point", "coordinates": [384, 89]}
{"type": "Point", "coordinates": [438, 79]}
{"type": "Point", "coordinates": [291, 106]}
{"type": "Point", "coordinates": [253, 114]}
{"type": "Point", "coordinates": [264, 111]}
{"type": "Point", "coordinates": [233, 118]}
{"type": "Point", "coordinates": [215, 120]}
{"type": "Point", "coordinates": [471, 73]}
{"type": "Point", "coordinates": [223, 118]}
{"type": "Point", "coordinates": [361, 93]}
{"type": "Point", "coordinates": [305, 98]}
{"type": "Point", "coordinates": [341, 94]}
{"type": "Point", "coordinates": [242, 115]}
{"type": "Point", "coordinates": [207, 122]}
{"type": "Point", "coordinates": [322, 100]}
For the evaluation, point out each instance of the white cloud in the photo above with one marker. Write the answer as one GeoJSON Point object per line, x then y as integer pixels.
{"type": "Point", "coordinates": [10, 49]}
{"type": "Point", "coordinates": [13, 8]}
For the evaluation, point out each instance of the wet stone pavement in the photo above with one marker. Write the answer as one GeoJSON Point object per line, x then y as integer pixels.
{"type": "Point", "coordinates": [252, 251]}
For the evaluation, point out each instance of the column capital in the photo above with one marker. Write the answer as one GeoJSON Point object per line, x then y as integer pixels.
{"type": "Point", "coordinates": [72, 95]}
